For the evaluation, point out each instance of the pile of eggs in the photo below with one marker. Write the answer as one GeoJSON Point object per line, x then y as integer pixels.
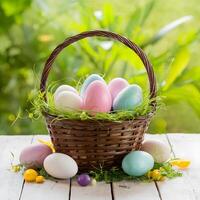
{"type": "Point", "coordinates": [62, 166]}
{"type": "Point", "coordinates": [58, 165]}
{"type": "Point", "coordinates": [138, 163]}
{"type": "Point", "coordinates": [96, 96]}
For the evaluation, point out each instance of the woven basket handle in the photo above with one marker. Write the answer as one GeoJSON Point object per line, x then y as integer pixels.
{"type": "Point", "coordinates": [125, 41]}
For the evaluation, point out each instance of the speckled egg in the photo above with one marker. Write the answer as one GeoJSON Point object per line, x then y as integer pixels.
{"type": "Point", "coordinates": [34, 155]}
{"type": "Point", "coordinates": [97, 97]}
{"type": "Point", "coordinates": [159, 150]}
{"type": "Point", "coordinates": [62, 88]}
{"type": "Point", "coordinates": [129, 98]}
{"type": "Point", "coordinates": [68, 101]}
{"type": "Point", "coordinates": [116, 85]}
{"type": "Point", "coordinates": [137, 163]}
{"type": "Point", "coordinates": [60, 166]}
{"type": "Point", "coordinates": [88, 81]}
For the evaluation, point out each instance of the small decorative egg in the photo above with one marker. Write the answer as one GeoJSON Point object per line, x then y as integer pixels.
{"type": "Point", "coordinates": [159, 150]}
{"type": "Point", "coordinates": [64, 88]}
{"type": "Point", "coordinates": [84, 179]}
{"type": "Point", "coordinates": [88, 81]}
{"type": "Point", "coordinates": [137, 163]}
{"type": "Point", "coordinates": [33, 156]}
{"type": "Point", "coordinates": [97, 97]}
{"type": "Point", "coordinates": [68, 101]}
{"type": "Point", "coordinates": [129, 98]}
{"type": "Point", "coordinates": [93, 181]}
{"type": "Point", "coordinates": [60, 166]}
{"type": "Point", "coordinates": [116, 85]}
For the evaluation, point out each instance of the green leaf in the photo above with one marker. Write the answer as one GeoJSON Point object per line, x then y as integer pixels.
{"type": "Point", "coordinates": [108, 16]}
{"type": "Point", "coordinates": [145, 12]}
{"type": "Point", "coordinates": [14, 7]}
{"type": "Point", "coordinates": [138, 17]}
{"type": "Point", "coordinates": [188, 93]}
{"type": "Point", "coordinates": [189, 37]}
{"type": "Point", "coordinates": [191, 75]}
{"type": "Point", "coordinates": [166, 29]}
{"type": "Point", "coordinates": [178, 65]}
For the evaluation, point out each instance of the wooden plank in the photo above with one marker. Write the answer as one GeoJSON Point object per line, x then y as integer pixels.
{"type": "Point", "coordinates": [49, 190]}
{"type": "Point", "coordinates": [177, 188]}
{"type": "Point", "coordinates": [133, 190]}
{"type": "Point", "coordinates": [100, 191]}
{"type": "Point", "coordinates": [187, 146]}
{"type": "Point", "coordinates": [129, 190]}
{"type": "Point", "coordinates": [186, 187]}
{"type": "Point", "coordinates": [10, 182]}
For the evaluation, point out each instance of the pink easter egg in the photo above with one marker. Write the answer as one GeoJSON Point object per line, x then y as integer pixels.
{"type": "Point", "coordinates": [34, 155]}
{"type": "Point", "coordinates": [116, 85]}
{"type": "Point", "coordinates": [97, 97]}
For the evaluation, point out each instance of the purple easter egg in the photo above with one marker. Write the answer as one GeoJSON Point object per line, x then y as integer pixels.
{"type": "Point", "coordinates": [34, 155]}
{"type": "Point", "coordinates": [84, 179]}
{"type": "Point", "coordinates": [116, 85]}
{"type": "Point", "coordinates": [97, 97]}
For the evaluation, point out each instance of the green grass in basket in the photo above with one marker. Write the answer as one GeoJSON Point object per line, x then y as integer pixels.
{"type": "Point", "coordinates": [39, 106]}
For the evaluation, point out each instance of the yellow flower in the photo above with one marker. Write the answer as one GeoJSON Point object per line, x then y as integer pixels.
{"type": "Point", "coordinates": [30, 175]}
{"type": "Point", "coordinates": [93, 182]}
{"type": "Point", "coordinates": [16, 168]}
{"type": "Point", "coordinates": [149, 174]}
{"type": "Point", "coordinates": [155, 175]}
{"type": "Point", "coordinates": [181, 164]}
{"type": "Point", "coordinates": [162, 178]}
{"type": "Point", "coordinates": [49, 144]}
{"type": "Point", "coordinates": [39, 179]}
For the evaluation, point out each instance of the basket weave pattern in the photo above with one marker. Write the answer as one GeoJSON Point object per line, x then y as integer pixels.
{"type": "Point", "coordinates": [95, 143]}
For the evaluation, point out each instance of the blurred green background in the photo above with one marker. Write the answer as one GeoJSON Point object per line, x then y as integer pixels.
{"type": "Point", "coordinates": [168, 31]}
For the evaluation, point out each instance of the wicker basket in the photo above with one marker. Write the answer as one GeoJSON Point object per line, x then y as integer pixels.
{"type": "Point", "coordinates": [98, 143]}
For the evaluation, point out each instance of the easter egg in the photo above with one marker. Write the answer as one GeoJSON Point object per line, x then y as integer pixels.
{"type": "Point", "coordinates": [34, 155]}
{"type": "Point", "coordinates": [88, 81]}
{"type": "Point", "coordinates": [64, 88]}
{"type": "Point", "coordinates": [128, 99]}
{"type": "Point", "coordinates": [116, 85]}
{"type": "Point", "coordinates": [159, 150]}
{"type": "Point", "coordinates": [68, 101]}
{"type": "Point", "coordinates": [60, 166]}
{"type": "Point", "coordinates": [97, 97]}
{"type": "Point", "coordinates": [137, 163]}
{"type": "Point", "coordinates": [84, 179]}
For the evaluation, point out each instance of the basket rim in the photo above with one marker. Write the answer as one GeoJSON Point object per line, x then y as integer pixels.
{"type": "Point", "coordinates": [149, 115]}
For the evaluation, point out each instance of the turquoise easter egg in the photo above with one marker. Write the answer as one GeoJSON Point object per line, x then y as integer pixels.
{"type": "Point", "coordinates": [129, 98]}
{"type": "Point", "coordinates": [88, 80]}
{"type": "Point", "coordinates": [137, 163]}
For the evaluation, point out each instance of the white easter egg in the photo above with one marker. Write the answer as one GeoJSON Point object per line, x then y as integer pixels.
{"type": "Point", "coordinates": [64, 88]}
{"type": "Point", "coordinates": [159, 150]}
{"type": "Point", "coordinates": [60, 166]}
{"type": "Point", "coordinates": [68, 101]}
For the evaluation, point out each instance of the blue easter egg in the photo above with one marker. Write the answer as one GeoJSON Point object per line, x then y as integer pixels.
{"type": "Point", "coordinates": [129, 98]}
{"type": "Point", "coordinates": [137, 163]}
{"type": "Point", "coordinates": [88, 80]}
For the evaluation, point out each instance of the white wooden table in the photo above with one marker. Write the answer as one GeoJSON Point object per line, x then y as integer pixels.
{"type": "Point", "coordinates": [12, 186]}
